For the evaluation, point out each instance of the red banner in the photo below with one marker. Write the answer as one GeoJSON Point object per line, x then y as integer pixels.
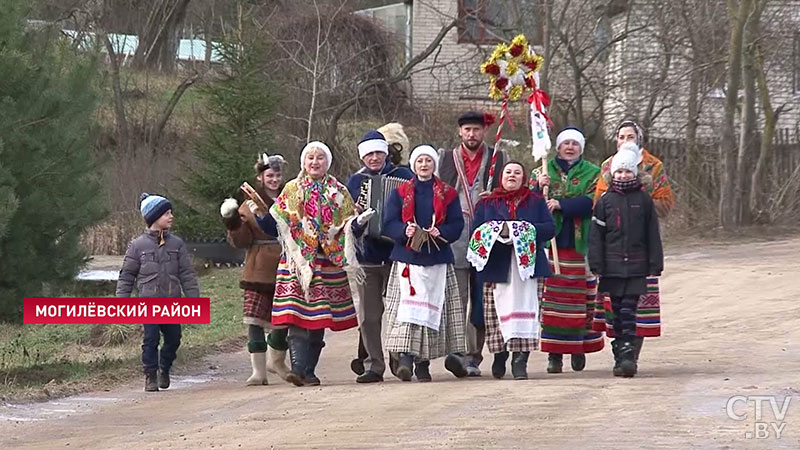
{"type": "Point", "coordinates": [108, 310]}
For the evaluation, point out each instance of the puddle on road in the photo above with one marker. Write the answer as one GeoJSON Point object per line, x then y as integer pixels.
{"type": "Point", "coordinates": [84, 404]}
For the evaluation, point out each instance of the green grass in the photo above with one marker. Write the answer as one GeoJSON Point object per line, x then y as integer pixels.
{"type": "Point", "coordinates": [42, 361]}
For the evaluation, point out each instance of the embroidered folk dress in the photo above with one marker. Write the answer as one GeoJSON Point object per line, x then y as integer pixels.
{"type": "Point", "coordinates": [313, 284]}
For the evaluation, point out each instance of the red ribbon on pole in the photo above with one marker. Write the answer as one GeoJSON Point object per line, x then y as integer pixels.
{"type": "Point", "coordinates": [540, 100]}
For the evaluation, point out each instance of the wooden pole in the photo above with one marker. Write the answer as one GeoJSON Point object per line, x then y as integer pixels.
{"type": "Point", "coordinates": [553, 247]}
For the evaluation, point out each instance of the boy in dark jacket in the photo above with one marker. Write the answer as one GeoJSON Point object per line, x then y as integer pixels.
{"type": "Point", "coordinates": [624, 249]}
{"type": "Point", "coordinates": [159, 265]}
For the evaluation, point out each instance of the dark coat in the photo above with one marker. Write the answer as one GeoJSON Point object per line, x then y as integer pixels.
{"type": "Point", "coordinates": [375, 251]}
{"type": "Point", "coordinates": [157, 270]}
{"type": "Point", "coordinates": [394, 226]}
{"type": "Point", "coordinates": [533, 210]}
{"type": "Point", "coordinates": [624, 241]}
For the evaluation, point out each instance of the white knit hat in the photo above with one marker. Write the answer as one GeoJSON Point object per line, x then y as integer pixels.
{"type": "Point", "coordinates": [319, 145]}
{"type": "Point", "coordinates": [424, 150]}
{"type": "Point", "coordinates": [625, 159]}
{"type": "Point", "coordinates": [571, 134]}
{"type": "Point", "coordinates": [632, 147]}
{"type": "Point", "coordinates": [373, 141]}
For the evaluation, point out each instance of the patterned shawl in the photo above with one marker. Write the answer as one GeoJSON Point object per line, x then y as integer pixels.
{"type": "Point", "coordinates": [312, 215]}
{"type": "Point", "coordinates": [581, 179]}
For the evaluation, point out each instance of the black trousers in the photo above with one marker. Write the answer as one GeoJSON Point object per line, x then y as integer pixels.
{"type": "Point", "coordinates": [152, 358]}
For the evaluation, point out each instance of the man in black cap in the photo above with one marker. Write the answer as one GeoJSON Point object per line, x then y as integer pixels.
{"type": "Point", "coordinates": [466, 168]}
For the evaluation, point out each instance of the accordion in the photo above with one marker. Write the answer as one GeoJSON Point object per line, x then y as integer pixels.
{"type": "Point", "coordinates": [373, 193]}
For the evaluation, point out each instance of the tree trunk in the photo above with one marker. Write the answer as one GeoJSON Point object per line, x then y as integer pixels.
{"type": "Point", "coordinates": [749, 123]}
{"type": "Point", "coordinates": [738, 11]}
{"type": "Point", "coordinates": [692, 155]}
{"type": "Point", "coordinates": [158, 40]}
{"type": "Point", "coordinates": [756, 199]}
{"type": "Point", "coordinates": [123, 130]}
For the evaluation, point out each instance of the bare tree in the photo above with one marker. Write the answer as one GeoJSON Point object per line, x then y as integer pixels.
{"type": "Point", "coordinates": [158, 37]}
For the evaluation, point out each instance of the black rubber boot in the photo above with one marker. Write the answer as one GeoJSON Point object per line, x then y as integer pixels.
{"type": "Point", "coordinates": [163, 379]}
{"type": "Point", "coordinates": [637, 346]}
{"type": "Point", "coordinates": [314, 351]}
{"type": "Point", "coordinates": [298, 354]}
{"type": "Point", "coordinates": [577, 361]}
{"type": "Point", "coordinates": [405, 367]}
{"type": "Point", "coordinates": [519, 365]}
{"type": "Point", "coordinates": [555, 362]}
{"type": "Point", "coordinates": [615, 350]}
{"type": "Point", "coordinates": [455, 364]}
{"type": "Point", "coordinates": [627, 359]}
{"type": "Point", "coordinates": [422, 370]}
{"type": "Point", "coordinates": [499, 365]}
{"type": "Point", "coordinates": [151, 381]}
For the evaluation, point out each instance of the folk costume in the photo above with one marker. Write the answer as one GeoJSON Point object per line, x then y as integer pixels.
{"type": "Point", "coordinates": [313, 219]}
{"type": "Point", "coordinates": [507, 250]}
{"type": "Point", "coordinates": [569, 299]}
{"type": "Point", "coordinates": [258, 279]}
{"type": "Point", "coordinates": [373, 256]}
{"type": "Point", "coordinates": [654, 181]}
{"type": "Point", "coordinates": [624, 249]}
{"type": "Point", "coordinates": [469, 176]}
{"type": "Point", "coordinates": [424, 319]}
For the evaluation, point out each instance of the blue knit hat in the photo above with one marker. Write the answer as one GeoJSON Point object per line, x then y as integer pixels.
{"type": "Point", "coordinates": [153, 207]}
{"type": "Point", "coordinates": [373, 141]}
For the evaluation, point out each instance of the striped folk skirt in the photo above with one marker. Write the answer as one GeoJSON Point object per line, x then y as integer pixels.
{"type": "Point", "coordinates": [648, 313]}
{"type": "Point", "coordinates": [568, 307]}
{"type": "Point", "coordinates": [423, 342]}
{"type": "Point", "coordinates": [494, 336]}
{"type": "Point", "coordinates": [327, 304]}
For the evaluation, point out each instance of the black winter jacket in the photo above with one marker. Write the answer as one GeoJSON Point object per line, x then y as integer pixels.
{"type": "Point", "coordinates": [624, 241]}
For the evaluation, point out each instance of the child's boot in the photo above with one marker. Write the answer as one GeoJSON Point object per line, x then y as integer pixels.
{"type": "Point", "coordinates": [259, 363]}
{"type": "Point", "coordinates": [163, 379]}
{"type": "Point", "coordinates": [627, 359]}
{"type": "Point", "coordinates": [276, 362]}
{"type": "Point", "coordinates": [637, 346]}
{"type": "Point", "coordinates": [151, 381]}
{"type": "Point", "coordinates": [615, 350]}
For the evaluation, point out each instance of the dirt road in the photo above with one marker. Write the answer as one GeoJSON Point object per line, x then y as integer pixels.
{"type": "Point", "coordinates": [731, 318]}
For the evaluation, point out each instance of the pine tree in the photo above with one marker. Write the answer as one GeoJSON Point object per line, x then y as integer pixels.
{"type": "Point", "coordinates": [240, 105]}
{"type": "Point", "coordinates": [49, 186]}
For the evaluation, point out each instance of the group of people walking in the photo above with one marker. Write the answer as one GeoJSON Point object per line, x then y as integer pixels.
{"type": "Point", "coordinates": [473, 251]}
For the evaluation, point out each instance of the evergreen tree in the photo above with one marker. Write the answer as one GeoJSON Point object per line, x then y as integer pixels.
{"type": "Point", "coordinates": [240, 105]}
{"type": "Point", "coordinates": [49, 186]}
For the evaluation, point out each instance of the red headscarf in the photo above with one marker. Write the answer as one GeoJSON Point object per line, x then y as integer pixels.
{"type": "Point", "coordinates": [511, 199]}
{"type": "Point", "coordinates": [443, 194]}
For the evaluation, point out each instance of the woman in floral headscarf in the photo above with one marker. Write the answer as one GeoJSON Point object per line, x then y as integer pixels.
{"type": "Point", "coordinates": [512, 224]}
{"type": "Point", "coordinates": [313, 218]}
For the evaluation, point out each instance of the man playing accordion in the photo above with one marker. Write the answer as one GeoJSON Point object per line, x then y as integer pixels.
{"type": "Point", "coordinates": [364, 186]}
